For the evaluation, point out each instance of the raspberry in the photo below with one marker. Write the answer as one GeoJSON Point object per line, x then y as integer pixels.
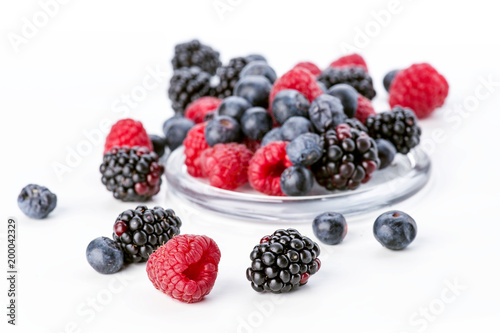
{"type": "Point", "coordinates": [350, 60]}
{"type": "Point", "coordinates": [419, 87]}
{"type": "Point", "coordinates": [299, 79]}
{"type": "Point", "coordinates": [200, 108]}
{"type": "Point", "coordinates": [185, 268]}
{"type": "Point", "coordinates": [194, 145]}
{"type": "Point", "coordinates": [310, 67]}
{"type": "Point", "coordinates": [266, 166]}
{"type": "Point", "coordinates": [127, 132]}
{"type": "Point", "coordinates": [226, 165]}
{"type": "Point", "coordinates": [365, 109]}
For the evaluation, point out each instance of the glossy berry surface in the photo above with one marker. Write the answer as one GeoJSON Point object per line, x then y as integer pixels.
{"type": "Point", "coordinates": [222, 129]}
{"type": "Point", "coordinates": [159, 143]}
{"type": "Point", "coordinates": [388, 79]}
{"type": "Point", "coordinates": [289, 103]}
{"type": "Point", "coordinates": [256, 122]}
{"type": "Point", "coordinates": [36, 201]}
{"type": "Point", "coordinates": [271, 136]}
{"type": "Point", "coordinates": [294, 127]}
{"type": "Point", "coordinates": [348, 97]}
{"type": "Point", "coordinates": [175, 130]}
{"type": "Point", "coordinates": [305, 149]}
{"type": "Point", "coordinates": [395, 229]}
{"type": "Point", "coordinates": [330, 227]}
{"type": "Point", "coordinates": [260, 68]}
{"type": "Point", "coordinates": [386, 152]}
{"type": "Point", "coordinates": [104, 255]}
{"type": "Point", "coordinates": [296, 181]}
{"type": "Point", "coordinates": [255, 89]}
{"type": "Point", "coordinates": [326, 112]}
{"type": "Point", "coordinates": [233, 106]}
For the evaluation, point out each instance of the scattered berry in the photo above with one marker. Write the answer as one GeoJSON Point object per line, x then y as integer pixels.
{"type": "Point", "coordinates": [419, 87]}
{"type": "Point", "coordinates": [159, 143]}
{"type": "Point", "coordinates": [36, 201]}
{"type": "Point", "coordinates": [175, 130]}
{"type": "Point", "coordinates": [127, 132]}
{"type": "Point", "coordinates": [309, 66]}
{"type": "Point", "coordinates": [266, 167]}
{"type": "Point", "coordinates": [365, 109]}
{"type": "Point", "coordinates": [271, 136]}
{"type": "Point", "coordinates": [386, 153]}
{"type": "Point", "coordinates": [350, 61]}
{"type": "Point", "coordinates": [228, 77]}
{"type": "Point", "coordinates": [132, 174]}
{"type": "Point", "coordinates": [289, 103]}
{"type": "Point", "coordinates": [296, 181]}
{"type": "Point", "coordinates": [255, 89]}
{"type": "Point", "coordinates": [222, 129]}
{"type": "Point", "coordinates": [305, 149]}
{"type": "Point", "coordinates": [185, 268]}
{"type": "Point", "coordinates": [388, 79]}
{"type": "Point", "coordinates": [326, 112]}
{"type": "Point", "coordinates": [298, 79]}
{"type": "Point", "coordinates": [330, 228]}
{"type": "Point", "coordinates": [198, 110]}
{"type": "Point", "coordinates": [186, 86]}
{"type": "Point", "coordinates": [139, 232]}
{"type": "Point", "coordinates": [357, 77]}
{"type": "Point", "coordinates": [256, 122]}
{"type": "Point", "coordinates": [259, 68]}
{"type": "Point", "coordinates": [395, 229]}
{"type": "Point", "coordinates": [348, 97]}
{"type": "Point", "coordinates": [295, 126]}
{"type": "Point", "coordinates": [194, 53]}
{"type": "Point", "coordinates": [194, 145]}
{"type": "Point", "coordinates": [282, 262]}
{"type": "Point", "coordinates": [104, 255]}
{"type": "Point", "coordinates": [226, 165]}
{"type": "Point", "coordinates": [233, 106]}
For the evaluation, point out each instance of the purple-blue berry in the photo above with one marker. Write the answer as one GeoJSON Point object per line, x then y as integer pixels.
{"type": "Point", "coordinates": [255, 89]}
{"type": "Point", "coordinates": [289, 103]}
{"type": "Point", "coordinates": [256, 122]}
{"type": "Point", "coordinates": [104, 255]}
{"type": "Point", "coordinates": [330, 227]}
{"type": "Point", "coordinates": [326, 112]}
{"type": "Point", "coordinates": [348, 97]}
{"type": "Point", "coordinates": [395, 229]}
{"type": "Point", "coordinates": [296, 180]}
{"type": "Point", "coordinates": [222, 129]}
{"type": "Point", "coordinates": [305, 149]}
{"type": "Point", "coordinates": [36, 201]}
{"type": "Point", "coordinates": [294, 127]}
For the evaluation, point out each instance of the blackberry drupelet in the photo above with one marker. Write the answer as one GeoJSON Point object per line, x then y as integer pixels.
{"type": "Point", "coordinates": [356, 77]}
{"type": "Point", "coordinates": [399, 126]}
{"type": "Point", "coordinates": [194, 53]}
{"type": "Point", "coordinates": [355, 123]}
{"type": "Point", "coordinates": [228, 76]}
{"type": "Point", "coordinates": [132, 174]}
{"type": "Point", "coordinates": [283, 261]}
{"type": "Point", "coordinates": [350, 157]}
{"type": "Point", "coordinates": [186, 86]}
{"type": "Point", "coordinates": [140, 232]}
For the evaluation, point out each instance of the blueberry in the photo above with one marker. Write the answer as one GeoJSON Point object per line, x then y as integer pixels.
{"type": "Point", "coordinates": [271, 136]}
{"type": "Point", "coordinates": [255, 57]}
{"type": "Point", "coordinates": [386, 152]}
{"type": "Point", "coordinates": [348, 97]}
{"type": "Point", "coordinates": [255, 89]}
{"type": "Point", "coordinates": [296, 180]}
{"type": "Point", "coordinates": [222, 129]}
{"type": "Point", "coordinates": [395, 229]}
{"type": "Point", "coordinates": [104, 255]}
{"type": "Point", "coordinates": [294, 127]}
{"type": "Point", "coordinates": [159, 143]}
{"type": "Point", "coordinates": [233, 106]}
{"type": "Point", "coordinates": [388, 79]}
{"type": "Point", "coordinates": [322, 86]}
{"type": "Point", "coordinates": [330, 228]}
{"type": "Point", "coordinates": [36, 201]}
{"type": "Point", "coordinates": [289, 103]}
{"type": "Point", "coordinates": [305, 149]}
{"type": "Point", "coordinates": [175, 130]}
{"type": "Point", "coordinates": [326, 112]}
{"type": "Point", "coordinates": [259, 68]}
{"type": "Point", "coordinates": [256, 122]}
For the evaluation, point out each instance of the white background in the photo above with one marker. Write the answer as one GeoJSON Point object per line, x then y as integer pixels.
{"type": "Point", "coordinates": [70, 74]}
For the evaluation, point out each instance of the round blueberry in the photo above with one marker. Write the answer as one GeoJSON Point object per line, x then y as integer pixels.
{"type": "Point", "coordinates": [296, 181]}
{"type": "Point", "coordinates": [255, 89]}
{"type": "Point", "coordinates": [36, 201]}
{"type": "Point", "coordinates": [348, 97]}
{"type": "Point", "coordinates": [259, 68]}
{"type": "Point", "coordinates": [222, 129]}
{"type": "Point", "coordinates": [305, 149]}
{"type": "Point", "coordinates": [256, 122]}
{"type": "Point", "coordinates": [388, 79]}
{"type": "Point", "coordinates": [159, 143]}
{"type": "Point", "coordinates": [330, 228]}
{"type": "Point", "coordinates": [395, 229]}
{"type": "Point", "coordinates": [294, 127]}
{"type": "Point", "coordinates": [255, 57]}
{"type": "Point", "coordinates": [326, 112]}
{"type": "Point", "coordinates": [386, 152]}
{"type": "Point", "coordinates": [175, 130]}
{"type": "Point", "coordinates": [289, 103]}
{"type": "Point", "coordinates": [104, 255]}
{"type": "Point", "coordinates": [233, 106]}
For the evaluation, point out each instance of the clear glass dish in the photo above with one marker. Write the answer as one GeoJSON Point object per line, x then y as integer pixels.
{"type": "Point", "coordinates": [405, 177]}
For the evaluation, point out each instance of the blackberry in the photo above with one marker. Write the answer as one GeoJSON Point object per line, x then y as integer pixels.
{"type": "Point", "coordinates": [355, 123]}
{"type": "Point", "coordinates": [349, 158]}
{"type": "Point", "coordinates": [356, 77]}
{"type": "Point", "coordinates": [140, 232]}
{"type": "Point", "coordinates": [194, 53]}
{"type": "Point", "coordinates": [132, 174]}
{"type": "Point", "coordinates": [399, 126]}
{"type": "Point", "coordinates": [186, 86]}
{"type": "Point", "coordinates": [283, 261]}
{"type": "Point", "coordinates": [228, 77]}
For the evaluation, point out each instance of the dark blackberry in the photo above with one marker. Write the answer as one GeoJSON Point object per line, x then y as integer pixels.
{"type": "Point", "coordinates": [283, 261]}
{"type": "Point", "coordinates": [356, 77]}
{"type": "Point", "coordinates": [132, 174]}
{"type": "Point", "coordinates": [355, 123]}
{"type": "Point", "coordinates": [140, 232]}
{"type": "Point", "coordinates": [186, 86]}
{"type": "Point", "coordinates": [399, 126]}
{"type": "Point", "coordinates": [194, 53]}
{"type": "Point", "coordinates": [349, 159]}
{"type": "Point", "coordinates": [228, 77]}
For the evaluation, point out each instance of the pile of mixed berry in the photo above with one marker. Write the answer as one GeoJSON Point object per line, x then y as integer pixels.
{"type": "Point", "coordinates": [240, 123]}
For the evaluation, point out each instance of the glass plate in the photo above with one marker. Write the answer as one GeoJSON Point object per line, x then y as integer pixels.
{"type": "Point", "coordinates": [405, 177]}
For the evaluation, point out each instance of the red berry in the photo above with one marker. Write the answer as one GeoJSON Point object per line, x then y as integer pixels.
{"type": "Point", "coordinates": [200, 108]}
{"type": "Point", "coordinates": [141, 188]}
{"type": "Point", "coordinates": [365, 109]}
{"type": "Point", "coordinates": [185, 268]}
{"type": "Point", "coordinates": [318, 262]}
{"type": "Point", "coordinates": [349, 61]}
{"type": "Point", "coordinates": [419, 87]}
{"type": "Point", "coordinates": [266, 167]}
{"type": "Point", "coordinates": [299, 79]}
{"type": "Point", "coordinates": [194, 145]}
{"type": "Point", "coordinates": [264, 239]}
{"type": "Point", "coordinates": [304, 277]}
{"type": "Point", "coordinates": [226, 165]}
{"type": "Point", "coordinates": [127, 132]}
{"type": "Point", "coordinates": [310, 67]}
{"type": "Point", "coordinates": [120, 227]}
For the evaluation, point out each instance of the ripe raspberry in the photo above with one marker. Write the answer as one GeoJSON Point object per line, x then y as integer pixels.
{"type": "Point", "coordinates": [350, 60]}
{"type": "Point", "coordinates": [365, 109]}
{"type": "Point", "coordinates": [194, 145]}
{"type": "Point", "coordinates": [419, 87]}
{"type": "Point", "coordinates": [185, 268]}
{"type": "Point", "coordinates": [299, 79]}
{"type": "Point", "coordinates": [266, 166]}
{"type": "Point", "coordinates": [226, 165]}
{"type": "Point", "coordinates": [127, 132]}
{"type": "Point", "coordinates": [310, 67]}
{"type": "Point", "coordinates": [200, 108]}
